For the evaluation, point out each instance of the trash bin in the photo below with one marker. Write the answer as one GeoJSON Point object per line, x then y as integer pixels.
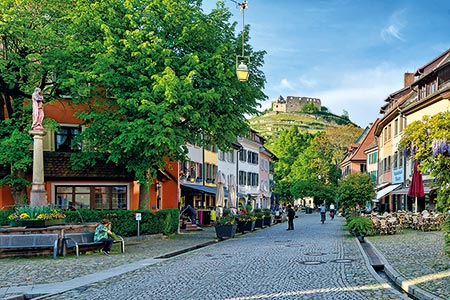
{"type": "Point", "coordinates": [308, 210]}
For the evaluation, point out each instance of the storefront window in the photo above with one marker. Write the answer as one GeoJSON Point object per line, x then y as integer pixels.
{"type": "Point", "coordinates": [94, 197]}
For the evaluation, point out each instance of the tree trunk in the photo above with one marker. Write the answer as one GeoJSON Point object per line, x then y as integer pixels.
{"type": "Point", "coordinates": [144, 197]}
{"type": "Point", "coordinates": [19, 192]}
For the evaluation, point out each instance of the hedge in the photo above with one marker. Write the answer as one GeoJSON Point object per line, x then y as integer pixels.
{"type": "Point", "coordinates": [123, 221]}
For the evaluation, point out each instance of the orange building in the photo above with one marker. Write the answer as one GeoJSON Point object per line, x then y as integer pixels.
{"type": "Point", "coordinates": [105, 186]}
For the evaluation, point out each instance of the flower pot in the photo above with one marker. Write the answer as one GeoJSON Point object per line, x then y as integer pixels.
{"type": "Point", "coordinates": [268, 221]}
{"type": "Point", "coordinates": [15, 223]}
{"type": "Point", "coordinates": [225, 231]}
{"type": "Point", "coordinates": [259, 223]}
{"type": "Point", "coordinates": [244, 226]}
{"type": "Point", "coordinates": [37, 223]}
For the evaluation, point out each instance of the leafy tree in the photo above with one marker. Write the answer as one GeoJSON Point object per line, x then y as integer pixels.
{"type": "Point", "coordinates": [355, 190]}
{"type": "Point", "coordinates": [338, 138]}
{"type": "Point", "coordinates": [287, 147]}
{"type": "Point", "coordinates": [31, 39]}
{"type": "Point", "coordinates": [155, 75]}
{"type": "Point", "coordinates": [309, 108]}
{"type": "Point", "coordinates": [427, 140]}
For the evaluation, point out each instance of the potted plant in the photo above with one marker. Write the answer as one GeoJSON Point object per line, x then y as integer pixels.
{"type": "Point", "coordinates": [268, 217]}
{"type": "Point", "coordinates": [36, 216]}
{"type": "Point", "coordinates": [259, 222]}
{"type": "Point", "coordinates": [226, 226]}
{"type": "Point", "coordinates": [360, 227]}
{"type": "Point", "coordinates": [246, 222]}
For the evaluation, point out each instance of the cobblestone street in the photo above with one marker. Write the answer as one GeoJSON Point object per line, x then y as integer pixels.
{"type": "Point", "coordinates": [314, 261]}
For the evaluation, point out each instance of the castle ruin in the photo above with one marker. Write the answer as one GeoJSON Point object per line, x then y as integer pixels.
{"type": "Point", "coordinates": [292, 103]}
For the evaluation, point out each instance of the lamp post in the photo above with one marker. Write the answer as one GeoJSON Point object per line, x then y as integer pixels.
{"type": "Point", "coordinates": [242, 71]}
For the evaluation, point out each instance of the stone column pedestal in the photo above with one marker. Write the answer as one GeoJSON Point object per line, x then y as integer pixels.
{"type": "Point", "coordinates": [38, 195]}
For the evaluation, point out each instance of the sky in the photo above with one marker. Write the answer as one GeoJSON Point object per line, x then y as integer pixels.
{"type": "Point", "coordinates": [351, 54]}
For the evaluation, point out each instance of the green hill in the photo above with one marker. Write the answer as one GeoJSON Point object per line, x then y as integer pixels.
{"type": "Point", "coordinates": [270, 122]}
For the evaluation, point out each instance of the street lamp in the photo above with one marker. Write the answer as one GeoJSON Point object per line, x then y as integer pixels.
{"type": "Point", "coordinates": [242, 71]}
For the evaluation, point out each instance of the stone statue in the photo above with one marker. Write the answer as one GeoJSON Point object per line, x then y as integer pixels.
{"type": "Point", "coordinates": [38, 109]}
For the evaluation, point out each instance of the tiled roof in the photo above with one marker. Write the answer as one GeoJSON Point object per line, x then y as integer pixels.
{"type": "Point", "coordinates": [58, 165]}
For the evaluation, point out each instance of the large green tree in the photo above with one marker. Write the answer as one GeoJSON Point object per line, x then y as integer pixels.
{"type": "Point", "coordinates": [156, 74]}
{"type": "Point", "coordinates": [31, 38]}
{"type": "Point", "coordinates": [355, 190]}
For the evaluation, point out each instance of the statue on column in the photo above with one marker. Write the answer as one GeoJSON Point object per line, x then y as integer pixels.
{"type": "Point", "coordinates": [38, 109]}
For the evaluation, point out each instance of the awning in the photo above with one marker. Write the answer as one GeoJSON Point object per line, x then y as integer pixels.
{"type": "Point", "coordinates": [201, 188]}
{"type": "Point", "coordinates": [405, 191]}
{"type": "Point", "coordinates": [383, 192]}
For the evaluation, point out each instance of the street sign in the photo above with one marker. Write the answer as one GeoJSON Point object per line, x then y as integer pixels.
{"type": "Point", "coordinates": [138, 216]}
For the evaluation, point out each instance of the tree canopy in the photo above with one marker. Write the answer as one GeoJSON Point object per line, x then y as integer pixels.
{"type": "Point", "coordinates": [355, 190]}
{"type": "Point", "coordinates": [307, 163]}
{"type": "Point", "coordinates": [156, 75]}
{"type": "Point", "coordinates": [428, 141]}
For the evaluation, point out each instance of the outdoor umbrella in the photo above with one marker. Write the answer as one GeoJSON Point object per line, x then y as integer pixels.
{"type": "Point", "coordinates": [416, 187]}
{"type": "Point", "coordinates": [220, 193]}
{"type": "Point", "coordinates": [232, 196]}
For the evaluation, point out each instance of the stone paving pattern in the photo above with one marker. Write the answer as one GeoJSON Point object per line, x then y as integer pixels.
{"type": "Point", "coordinates": [314, 261]}
{"type": "Point", "coordinates": [418, 256]}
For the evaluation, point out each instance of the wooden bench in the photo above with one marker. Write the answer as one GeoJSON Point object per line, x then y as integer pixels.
{"type": "Point", "coordinates": [84, 241]}
{"type": "Point", "coordinates": [16, 244]}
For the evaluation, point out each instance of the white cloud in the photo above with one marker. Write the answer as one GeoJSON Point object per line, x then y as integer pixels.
{"type": "Point", "coordinates": [286, 84]}
{"type": "Point", "coordinates": [395, 26]}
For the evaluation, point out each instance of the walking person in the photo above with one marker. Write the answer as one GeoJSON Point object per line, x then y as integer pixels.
{"type": "Point", "coordinates": [291, 216]}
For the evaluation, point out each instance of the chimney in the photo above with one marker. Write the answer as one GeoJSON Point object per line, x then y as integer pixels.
{"type": "Point", "coordinates": [408, 79]}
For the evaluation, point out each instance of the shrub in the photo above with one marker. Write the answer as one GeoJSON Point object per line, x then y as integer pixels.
{"type": "Point", "coordinates": [446, 227]}
{"type": "Point", "coordinates": [360, 225]}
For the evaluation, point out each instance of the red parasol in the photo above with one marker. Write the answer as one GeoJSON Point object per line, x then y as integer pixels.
{"type": "Point", "coordinates": [416, 187]}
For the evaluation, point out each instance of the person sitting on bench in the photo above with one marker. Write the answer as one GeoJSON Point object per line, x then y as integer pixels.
{"type": "Point", "coordinates": [102, 234]}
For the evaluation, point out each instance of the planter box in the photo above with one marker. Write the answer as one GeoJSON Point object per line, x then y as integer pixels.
{"type": "Point", "coordinates": [244, 226]}
{"type": "Point", "coordinates": [36, 223]}
{"type": "Point", "coordinates": [259, 223]}
{"type": "Point", "coordinates": [268, 221]}
{"type": "Point", "coordinates": [225, 231]}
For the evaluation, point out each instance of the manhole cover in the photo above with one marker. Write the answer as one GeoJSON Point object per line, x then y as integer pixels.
{"type": "Point", "coordinates": [312, 263]}
{"type": "Point", "coordinates": [342, 260]}
{"type": "Point", "coordinates": [315, 253]}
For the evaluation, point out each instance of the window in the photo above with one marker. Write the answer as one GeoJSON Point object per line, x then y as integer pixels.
{"type": "Point", "coordinates": [221, 155]}
{"type": "Point", "coordinates": [242, 177]}
{"type": "Point", "coordinates": [252, 157]}
{"type": "Point", "coordinates": [242, 155]}
{"type": "Point", "coordinates": [94, 197]}
{"type": "Point", "coordinates": [396, 127]}
{"type": "Point", "coordinates": [65, 139]}
{"type": "Point", "coordinates": [230, 156]}
{"type": "Point", "coordinates": [362, 168]}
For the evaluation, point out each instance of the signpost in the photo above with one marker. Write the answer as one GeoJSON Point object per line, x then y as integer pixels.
{"type": "Point", "coordinates": [138, 219]}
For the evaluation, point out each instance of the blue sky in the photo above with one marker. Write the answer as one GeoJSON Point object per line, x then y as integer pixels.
{"type": "Point", "coordinates": [349, 53]}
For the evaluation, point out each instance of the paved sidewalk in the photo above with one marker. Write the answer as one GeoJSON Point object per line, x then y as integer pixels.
{"type": "Point", "coordinates": [415, 258]}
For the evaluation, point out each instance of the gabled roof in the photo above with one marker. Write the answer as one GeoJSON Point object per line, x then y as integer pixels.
{"type": "Point", "coordinates": [433, 65]}
{"type": "Point", "coordinates": [358, 154]}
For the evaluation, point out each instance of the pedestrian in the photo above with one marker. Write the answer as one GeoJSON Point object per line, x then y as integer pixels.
{"type": "Point", "coordinates": [322, 210]}
{"type": "Point", "coordinates": [103, 234]}
{"type": "Point", "coordinates": [332, 211]}
{"type": "Point", "coordinates": [291, 216]}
